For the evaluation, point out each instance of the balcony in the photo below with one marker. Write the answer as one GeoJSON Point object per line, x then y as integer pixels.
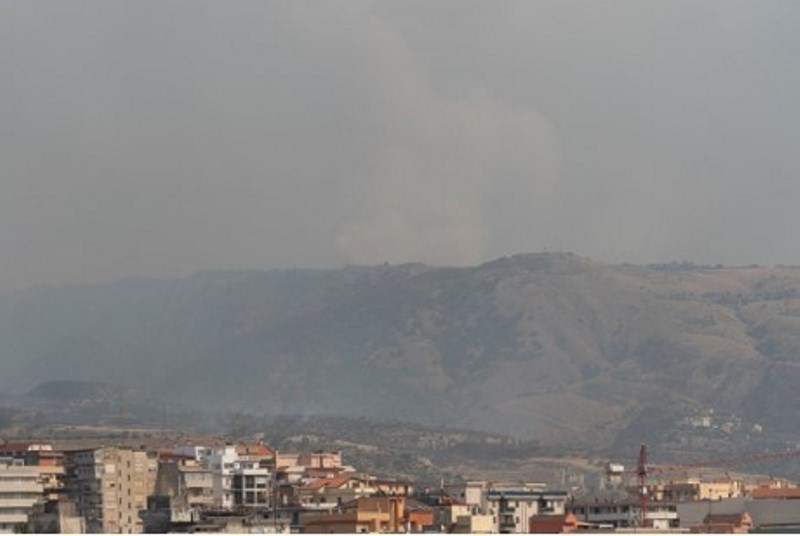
{"type": "Point", "coordinates": [13, 518]}
{"type": "Point", "coordinates": [662, 515]}
{"type": "Point", "coordinates": [17, 503]}
{"type": "Point", "coordinates": [21, 487]}
{"type": "Point", "coordinates": [199, 484]}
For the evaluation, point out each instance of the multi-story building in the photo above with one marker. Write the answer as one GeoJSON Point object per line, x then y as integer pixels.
{"type": "Point", "coordinates": [511, 508]}
{"type": "Point", "coordinates": [372, 514]}
{"type": "Point", "coordinates": [109, 486]}
{"type": "Point", "coordinates": [251, 485]}
{"type": "Point", "coordinates": [221, 463]}
{"type": "Point", "coordinates": [188, 483]}
{"type": "Point", "coordinates": [509, 505]}
{"type": "Point", "coordinates": [702, 488]}
{"type": "Point", "coordinates": [20, 491]}
{"type": "Point", "coordinates": [626, 513]}
{"type": "Point", "coordinates": [47, 462]}
{"type": "Point", "coordinates": [241, 476]}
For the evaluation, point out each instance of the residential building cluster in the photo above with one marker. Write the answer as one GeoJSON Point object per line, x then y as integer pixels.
{"type": "Point", "coordinates": [251, 488]}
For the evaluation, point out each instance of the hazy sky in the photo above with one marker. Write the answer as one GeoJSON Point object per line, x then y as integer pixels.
{"type": "Point", "coordinates": [166, 137]}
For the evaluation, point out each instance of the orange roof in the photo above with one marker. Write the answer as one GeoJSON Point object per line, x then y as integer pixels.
{"type": "Point", "coordinates": [14, 448]}
{"type": "Point", "coordinates": [255, 450]}
{"type": "Point", "coordinates": [552, 523]}
{"type": "Point", "coordinates": [776, 493]}
{"type": "Point", "coordinates": [320, 483]}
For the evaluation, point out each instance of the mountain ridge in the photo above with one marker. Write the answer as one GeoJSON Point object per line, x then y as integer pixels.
{"type": "Point", "coordinates": [548, 345]}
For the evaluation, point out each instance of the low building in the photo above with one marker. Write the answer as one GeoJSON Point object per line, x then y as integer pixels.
{"type": "Point", "coordinates": [393, 487]}
{"type": "Point", "coordinates": [725, 524]}
{"type": "Point", "coordinates": [706, 487]}
{"type": "Point", "coordinates": [331, 493]}
{"type": "Point", "coordinates": [473, 524]}
{"type": "Point", "coordinates": [775, 493]}
{"type": "Point", "coordinates": [678, 492]}
{"type": "Point", "coordinates": [251, 522]}
{"type": "Point", "coordinates": [56, 517]}
{"type": "Point", "coordinates": [312, 460]}
{"type": "Point", "coordinates": [625, 513]}
{"type": "Point", "coordinates": [447, 514]}
{"type": "Point", "coordinates": [372, 514]}
{"type": "Point", "coordinates": [552, 524]}
{"type": "Point", "coordinates": [768, 515]}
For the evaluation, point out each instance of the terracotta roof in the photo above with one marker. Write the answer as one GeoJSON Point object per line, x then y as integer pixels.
{"type": "Point", "coordinates": [13, 448]}
{"type": "Point", "coordinates": [718, 519]}
{"type": "Point", "coordinates": [446, 500]}
{"type": "Point", "coordinates": [254, 450]}
{"type": "Point", "coordinates": [413, 505]}
{"type": "Point", "coordinates": [320, 483]}
{"type": "Point", "coordinates": [776, 493]}
{"type": "Point", "coordinates": [551, 524]}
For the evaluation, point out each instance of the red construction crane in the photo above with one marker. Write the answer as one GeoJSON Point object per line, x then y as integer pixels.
{"type": "Point", "coordinates": [642, 470]}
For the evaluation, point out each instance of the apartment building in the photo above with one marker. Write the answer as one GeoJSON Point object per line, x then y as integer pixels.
{"type": "Point", "coordinates": [20, 491]}
{"type": "Point", "coordinates": [109, 486]}
{"type": "Point", "coordinates": [511, 508]}
{"type": "Point", "coordinates": [241, 477]}
{"type": "Point", "coordinates": [47, 462]}
{"type": "Point", "coordinates": [625, 513]}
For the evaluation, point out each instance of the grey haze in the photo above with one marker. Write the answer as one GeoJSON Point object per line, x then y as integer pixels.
{"type": "Point", "coordinates": [164, 137]}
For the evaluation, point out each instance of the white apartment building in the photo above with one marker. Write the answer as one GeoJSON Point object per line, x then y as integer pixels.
{"type": "Point", "coordinates": [20, 490]}
{"type": "Point", "coordinates": [511, 507]}
{"type": "Point", "coordinates": [239, 481]}
{"type": "Point", "coordinates": [626, 513]}
{"type": "Point", "coordinates": [221, 463]}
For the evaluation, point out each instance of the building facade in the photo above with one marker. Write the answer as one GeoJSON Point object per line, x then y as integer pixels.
{"type": "Point", "coordinates": [20, 490]}
{"type": "Point", "coordinates": [109, 486]}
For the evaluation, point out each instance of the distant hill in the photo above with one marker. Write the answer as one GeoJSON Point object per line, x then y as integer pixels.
{"type": "Point", "coordinates": [61, 392]}
{"type": "Point", "coordinates": [551, 347]}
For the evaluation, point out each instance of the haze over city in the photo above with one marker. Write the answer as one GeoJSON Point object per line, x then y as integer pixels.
{"type": "Point", "coordinates": [163, 138]}
{"type": "Point", "coordinates": [441, 266]}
